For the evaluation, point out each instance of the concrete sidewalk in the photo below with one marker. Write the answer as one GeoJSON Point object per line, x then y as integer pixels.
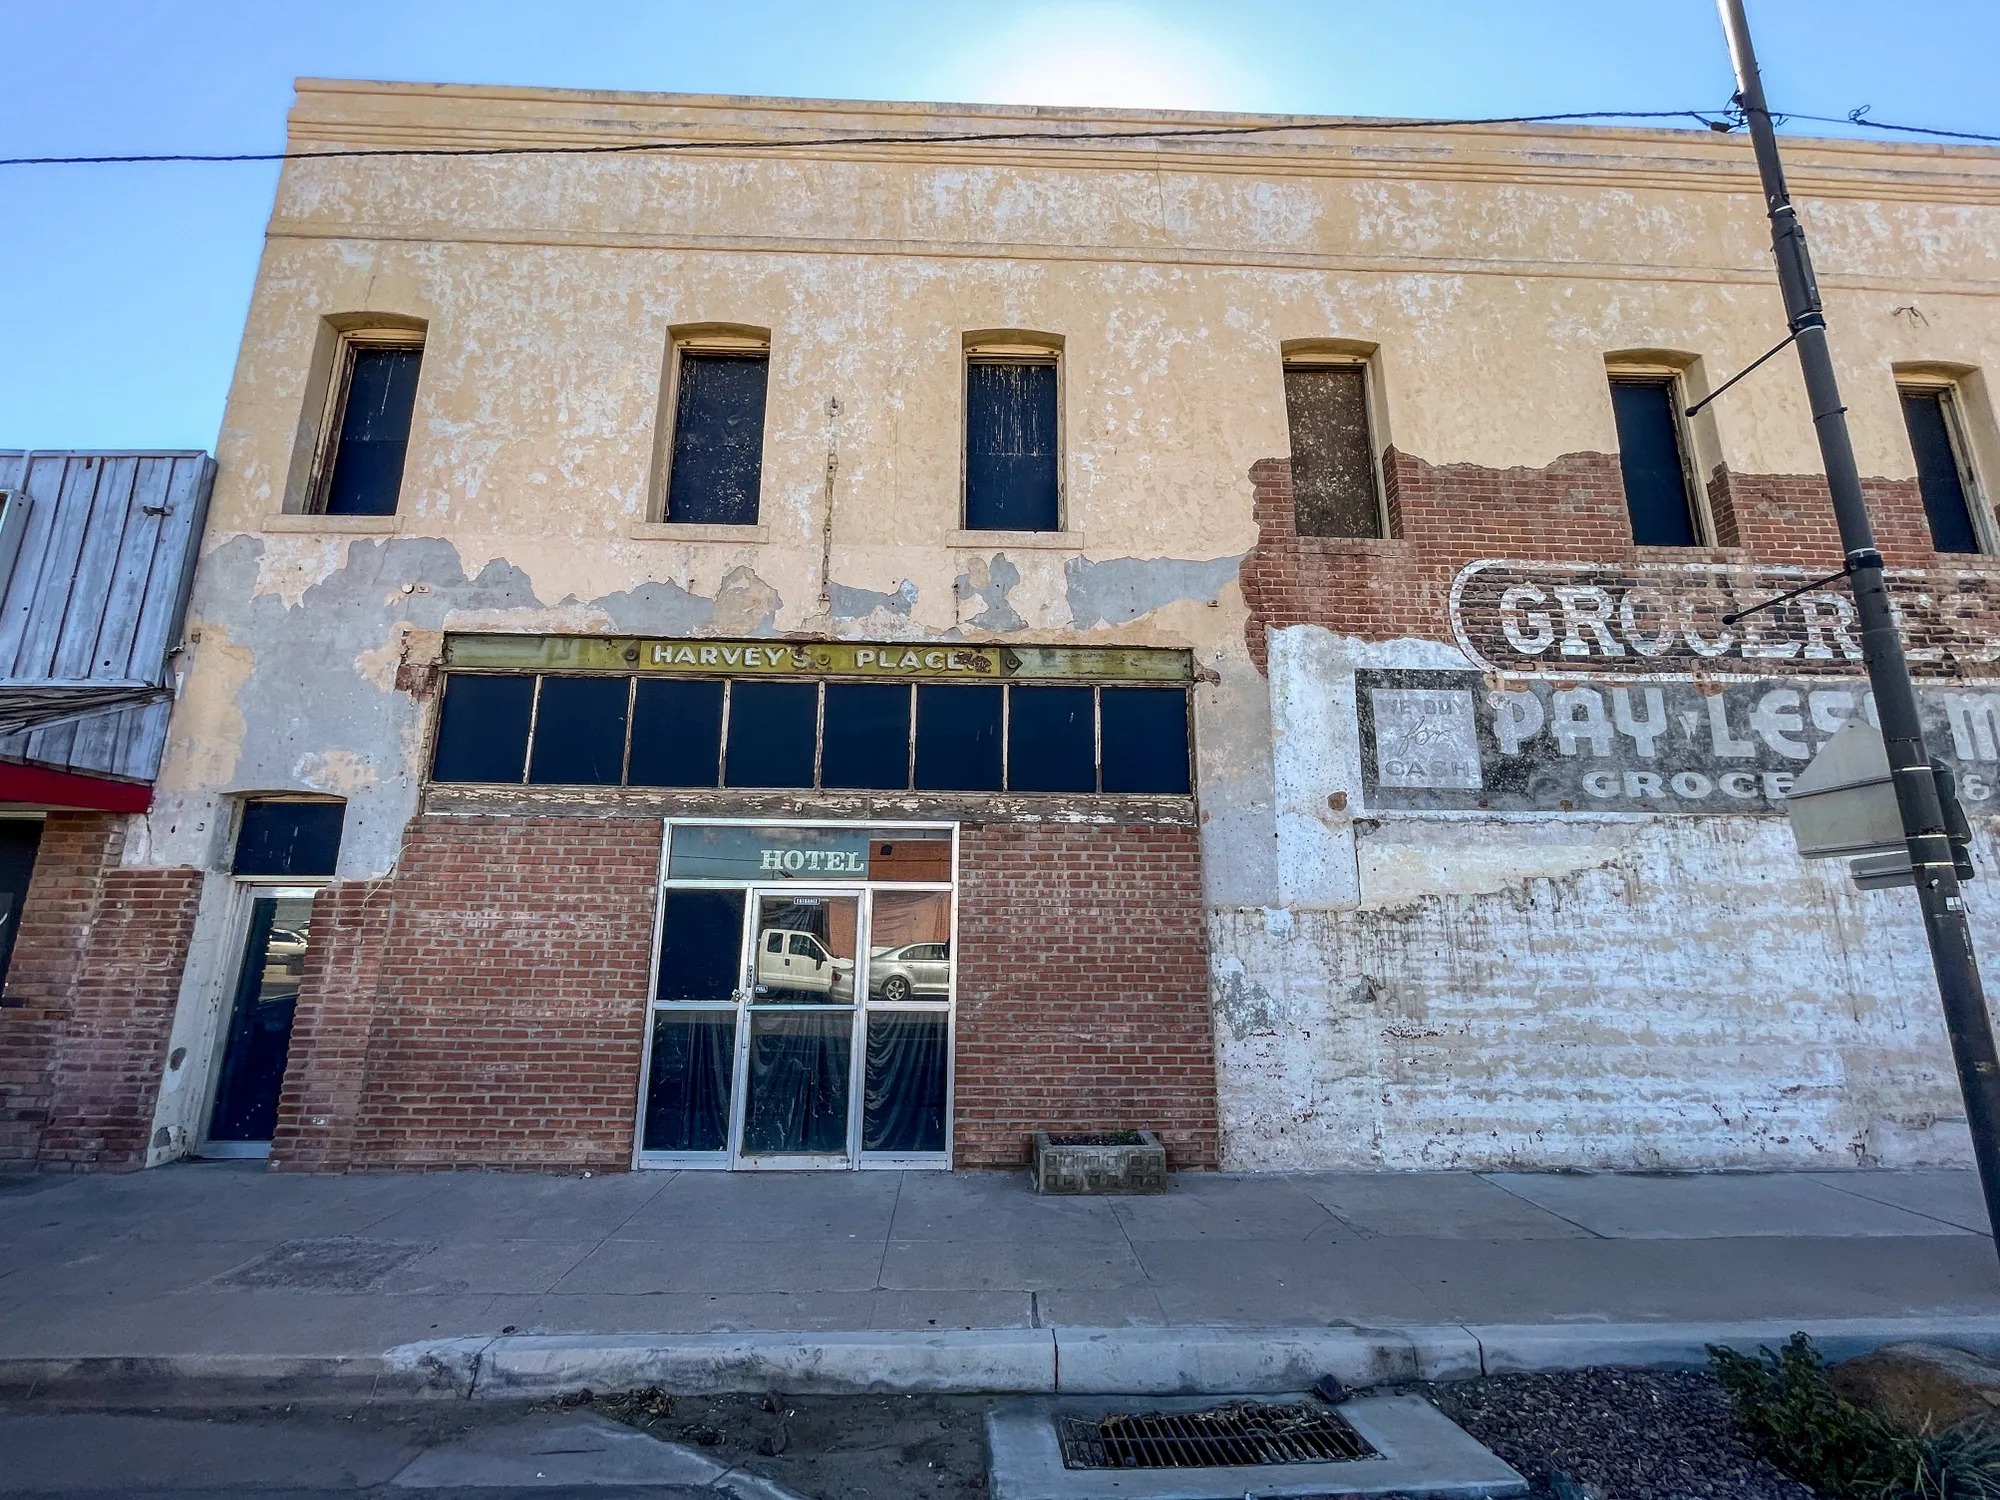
{"type": "Point", "coordinates": [519, 1283]}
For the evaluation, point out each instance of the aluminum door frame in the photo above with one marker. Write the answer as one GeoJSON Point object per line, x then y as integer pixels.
{"type": "Point", "coordinates": [862, 1162]}
{"type": "Point", "coordinates": [748, 1008]}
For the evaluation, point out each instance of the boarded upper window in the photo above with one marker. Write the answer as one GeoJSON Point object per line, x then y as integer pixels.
{"type": "Point", "coordinates": [1333, 459]}
{"type": "Point", "coordinates": [360, 470]}
{"type": "Point", "coordinates": [1652, 457]}
{"type": "Point", "coordinates": [279, 837]}
{"type": "Point", "coordinates": [718, 455]}
{"type": "Point", "coordinates": [1011, 460]}
{"type": "Point", "coordinates": [1943, 474]}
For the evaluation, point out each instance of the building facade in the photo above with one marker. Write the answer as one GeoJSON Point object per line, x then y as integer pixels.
{"type": "Point", "coordinates": [97, 553]}
{"type": "Point", "coordinates": [819, 651]}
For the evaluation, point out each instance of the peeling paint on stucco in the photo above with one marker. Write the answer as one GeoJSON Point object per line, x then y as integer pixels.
{"type": "Point", "coordinates": [989, 581]}
{"type": "Point", "coordinates": [1120, 590]}
{"type": "Point", "coordinates": [858, 604]}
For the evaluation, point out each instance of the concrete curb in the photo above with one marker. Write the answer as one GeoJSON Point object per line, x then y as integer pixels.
{"type": "Point", "coordinates": [1032, 1361]}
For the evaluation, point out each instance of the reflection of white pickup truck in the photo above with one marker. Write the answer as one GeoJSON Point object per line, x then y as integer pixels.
{"type": "Point", "coordinates": [788, 960]}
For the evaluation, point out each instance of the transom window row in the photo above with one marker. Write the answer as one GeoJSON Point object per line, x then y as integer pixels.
{"type": "Point", "coordinates": [782, 734]}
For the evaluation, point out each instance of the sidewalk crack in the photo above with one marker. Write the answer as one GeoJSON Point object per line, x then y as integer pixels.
{"type": "Point", "coordinates": [1542, 1207]}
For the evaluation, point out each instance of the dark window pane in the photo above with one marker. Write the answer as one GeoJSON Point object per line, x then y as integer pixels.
{"type": "Point", "coordinates": [796, 1103]}
{"type": "Point", "coordinates": [374, 432]}
{"type": "Point", "coordinates": [1146, 740]}
{"type": "Point", "coordinates": [1649, 455]}
{"type": "Point", "coordinates": [718, 439]}
{"type": "Point", "coordinates": [579, 732]}
{"type": "Point", "coordinates": [701, 945]}
{"type": "Point", "coordinates": [1010, 446]}
{"type": "Point", "coordinates": [1051, 740]}
{"type": "Point", "coordinates": [958, 738]}
{"type": "Point", "coordinates": [676, 733]}
{"type": "Point", "coordinates": [288, 838]}
{"type": "Point", "coordinates": [1333, 469]}
{"type": "Point", "coordinates": [771, 730]}
{"type": "Point", "coordinates": [867, 736]}
{"type": "Point", "coordinates": [1938, 477]}
{"type": "Point", "coordinates": [687, 1081]}
{"type": "Point", "coordinates": [483, 728]}
{"type": "Point", "coordinates": [902, 1109]}
{"type": "Point", "coordinates": [20, 839]}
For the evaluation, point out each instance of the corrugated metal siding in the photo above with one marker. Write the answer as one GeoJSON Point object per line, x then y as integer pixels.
{"type": "Point", "coordinates": [98, 593]}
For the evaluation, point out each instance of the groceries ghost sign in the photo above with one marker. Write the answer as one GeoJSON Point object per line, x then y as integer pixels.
{"type": "Point", "coordinates": [1654, 620]}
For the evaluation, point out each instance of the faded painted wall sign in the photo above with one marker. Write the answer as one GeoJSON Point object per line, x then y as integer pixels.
{"type": "Point", "coordinates": [892, 659]}
{"type": "Point", "coordinates": [1445, 740]}
{"type": "Point", "coordinates": [1665, 619]}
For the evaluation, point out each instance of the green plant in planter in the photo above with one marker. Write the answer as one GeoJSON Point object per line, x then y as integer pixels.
{"type": "Point", "coordinates": [1790, 1412]}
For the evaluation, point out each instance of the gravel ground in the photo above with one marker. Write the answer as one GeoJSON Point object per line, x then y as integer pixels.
{"type": "Point", "coordinates": [1623, 1434]}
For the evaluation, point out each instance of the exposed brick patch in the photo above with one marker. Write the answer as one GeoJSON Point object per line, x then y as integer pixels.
{"type": "Point", "coordinates": [1083, 989]}
{"type": "Point", "coordinates": [126, 987]}
{"type": "Point", "coordinates": [63, 892]}
{"type": "Point", "coordinates": [1443, 517]}
{"type": "Point", "coordinates": [510, 999]}
{"type": "Point", "coordinates": [326, 1071]}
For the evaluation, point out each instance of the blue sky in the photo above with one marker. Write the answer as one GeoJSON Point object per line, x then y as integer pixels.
{"type": "Point", "coordinates": [123, 289]}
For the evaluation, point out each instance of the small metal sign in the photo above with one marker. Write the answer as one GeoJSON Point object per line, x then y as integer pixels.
{"type": "Point", "coordinates": [1844, 802]}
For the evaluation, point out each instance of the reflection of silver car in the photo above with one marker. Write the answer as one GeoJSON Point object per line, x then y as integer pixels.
{"type": "Point", "coordinates": [913, 969]}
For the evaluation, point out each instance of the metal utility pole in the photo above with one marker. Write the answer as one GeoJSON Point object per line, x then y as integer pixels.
{"type": "Point", "coordinates": [1965, 1016]}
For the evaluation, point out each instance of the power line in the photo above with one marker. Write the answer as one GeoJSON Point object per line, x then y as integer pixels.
{"type": "Point", "coordinates": [1713, 119]}
{"type": "Point", "coordinates": [1860, 117]}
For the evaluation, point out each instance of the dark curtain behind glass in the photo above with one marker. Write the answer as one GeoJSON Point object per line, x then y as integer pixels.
{"type": "Point", "coordinates": [797, 1099]}
{"type": "Point", "coordinates": [1649, 458]}
{"type": "Point", "coordinates": [687, 1091]}
{"type": "Point", "coordinates": [902, 1109]}
{"type": "Point", "coordinates": [1010, 446]}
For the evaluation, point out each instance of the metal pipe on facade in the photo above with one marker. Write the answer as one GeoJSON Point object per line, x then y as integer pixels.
{"type": "Point", "coordinates": [1950, 937]}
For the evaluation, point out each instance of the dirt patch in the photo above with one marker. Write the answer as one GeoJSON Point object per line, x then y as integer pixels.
{"type": "Point", "coordinates": [830, 1447]}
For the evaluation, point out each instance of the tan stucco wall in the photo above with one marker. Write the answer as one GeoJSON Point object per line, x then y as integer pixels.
{"type": "Point", "coordinates": [1494, 267]}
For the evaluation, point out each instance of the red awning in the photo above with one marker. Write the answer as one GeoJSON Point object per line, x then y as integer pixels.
{"type": "Point", "coordinates": [43, 788]}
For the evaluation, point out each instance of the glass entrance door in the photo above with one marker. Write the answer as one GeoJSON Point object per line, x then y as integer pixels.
{"type": "Point", "coordinates": [798, 1046]}
{"type": "Point", "coordinates": [804, 1024]}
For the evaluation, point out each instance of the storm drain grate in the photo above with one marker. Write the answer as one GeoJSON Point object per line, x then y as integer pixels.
{"type": "Point", "coordinates": [1241, 1433]}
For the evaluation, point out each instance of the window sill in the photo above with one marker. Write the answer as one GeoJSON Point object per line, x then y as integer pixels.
{"type": "Point", "coordinates": [335, 525]}
{"type": "Point", "coordinates": [1051, 541]}
{"type": "Point", "coordinates": [690, 531]}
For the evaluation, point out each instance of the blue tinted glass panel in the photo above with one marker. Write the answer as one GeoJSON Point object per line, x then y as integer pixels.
{"type": "Point", "coordinates": [718, 452]}
{"type": "Point", "coordinates": [1649, 457]}
{"type": "Point", "coordinates": [676, 733]}
{"type": "Point", "coordinates": [1010, 446]}
{"type": "Point", "coordinates": [867, 736]}
{"type": "Point", "coordinates": [483, 728]}
{"type": "Point", "coordinates": [1051, 739]}
{"type": "Point", "coordinates": [374, 433]}
{"type": "Point", "coordinates": [1146, 740]}
{"type": "Point", "coordinates": [771, 730]}
{"type": "Point", "coordinates": [579, 732]}
{"type": "Point", "coordinates": [958, 738]}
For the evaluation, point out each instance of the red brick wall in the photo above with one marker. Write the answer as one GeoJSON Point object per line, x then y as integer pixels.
{"type": "Point", "coordinates": [76, 850]}
{"type": "Point", "coordinates": [510, 1000]}
{"type": "Point", "coordinates": [1572, 509]}
{"type": "Point", "coordinates": [326, 1070]}
{"type": "Point", "coordinates": [125, 989]}
{"type": "Point", "coordinates": [1083, 989]}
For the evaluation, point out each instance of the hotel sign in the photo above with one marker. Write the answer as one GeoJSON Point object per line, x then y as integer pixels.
{"type": "Point", "coordinates": [896, 660]}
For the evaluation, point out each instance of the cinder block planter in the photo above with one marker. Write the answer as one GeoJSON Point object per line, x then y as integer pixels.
{"type": "Point", "coordinates": [1118, 1161]}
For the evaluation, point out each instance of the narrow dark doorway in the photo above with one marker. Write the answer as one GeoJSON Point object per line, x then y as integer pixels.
{"type": "Point", "coordinates": [20, 841]}
{"type": "Point", "coordinates": [260, 1018]}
